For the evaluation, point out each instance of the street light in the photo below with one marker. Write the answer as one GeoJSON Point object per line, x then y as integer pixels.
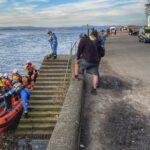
{"type": "Point", "coordinates": [147, 12]}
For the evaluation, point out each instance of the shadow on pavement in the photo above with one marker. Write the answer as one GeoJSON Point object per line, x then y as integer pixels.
{"type": "Point", "coordinates": [114, 83]}
{"type": "Point", "coordinates": [126, 129]}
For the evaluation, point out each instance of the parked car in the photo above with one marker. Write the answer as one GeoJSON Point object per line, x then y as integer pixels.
{"type": "Point", "coordinates": [144, 34]}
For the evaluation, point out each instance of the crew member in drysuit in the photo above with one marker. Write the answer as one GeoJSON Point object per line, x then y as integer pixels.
{"type": "Point", "coordinates": [16, 76]}
{"type": "Point", "coordinates": [25, 97]}
{"type": "Point", "coordinates": [7, 82]}
{"type": "Point", "coordinates": [24, 94]}
{"type": "Point", "coordinates": [1, 82]}
{"type": "Point", "coordinates": [30, 68]}
{"type": "Point", "coordinates": [8, 95]}
{"type": "Point", "coordinates": [53, 43]}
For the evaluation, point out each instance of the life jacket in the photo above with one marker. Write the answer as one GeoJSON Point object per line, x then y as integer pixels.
{"type": "Point", "coordinates": [2, 83]}
{"type": "Point", "coordinates": [8, 83]}
{"type": "Point", "coordinates": [30, 67]}
{"type": "Point", "coordinates": [17, 77]}
{"type": "Point", "coordinates": [25, 81]}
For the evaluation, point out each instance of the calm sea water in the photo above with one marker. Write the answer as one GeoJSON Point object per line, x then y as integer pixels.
{"type": "Point", "coordinates": [19, 45]}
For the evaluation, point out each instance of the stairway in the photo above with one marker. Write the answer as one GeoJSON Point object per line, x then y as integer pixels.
{"type": "Point", "coordinates": [46, 100]}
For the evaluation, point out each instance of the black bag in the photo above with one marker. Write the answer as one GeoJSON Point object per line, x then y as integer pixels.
{"type": "Point", "coordinates": [102, 52]}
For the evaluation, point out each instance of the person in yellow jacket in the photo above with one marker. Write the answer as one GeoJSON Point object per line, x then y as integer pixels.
{"type": "Point", "coordinates": [2, 84]}
{"type": "Point", "coordinates": [30, 68]}
{"type": "Point", "coordinates": [1, 80]}
{"type": "Point", "coordinates": [16, 76]}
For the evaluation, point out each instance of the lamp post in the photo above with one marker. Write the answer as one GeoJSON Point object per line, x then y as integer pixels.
{"type": "Point", "coordinates": [147, 12]}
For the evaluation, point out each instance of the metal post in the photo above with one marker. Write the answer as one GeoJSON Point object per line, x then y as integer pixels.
{"type": "Point", "coordinates": [88, 31]}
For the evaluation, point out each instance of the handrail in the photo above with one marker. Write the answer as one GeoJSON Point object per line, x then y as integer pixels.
{"type": "Point", "coordinates": [73, 47]}
{"type": "Point", "coordinates": [64, 87]}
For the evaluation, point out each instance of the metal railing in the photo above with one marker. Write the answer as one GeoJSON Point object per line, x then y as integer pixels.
{"type": "Point", "coordinates": [68, 75]}
{"type": "Point", "coordinates": [73, 47]}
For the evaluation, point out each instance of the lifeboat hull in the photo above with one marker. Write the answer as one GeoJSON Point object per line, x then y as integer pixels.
{"type": "Point", "coordinates": [9, 118]}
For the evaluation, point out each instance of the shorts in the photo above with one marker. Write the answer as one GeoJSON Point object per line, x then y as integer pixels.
{"type": "Point", "coordinates": [89, 67]}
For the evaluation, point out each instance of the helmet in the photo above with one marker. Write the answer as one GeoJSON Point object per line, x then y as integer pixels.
{"type": "Point", "coordinates": [15, 71]}
{"type": "Point", "coordinates": [5, 75]}
{"type": "Point", "coordinates": [1, 75]}
{"type": "Point", "coordinates": [28, 61]}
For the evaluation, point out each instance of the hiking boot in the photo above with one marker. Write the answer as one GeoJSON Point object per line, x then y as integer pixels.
{"type": "Point", "coordinates": [93, 91]}
{"type": "Point", "coordinates": [25, 115]}
{"type": "Point", "coordinates": [5, 109]}
{"type": "Point", "coordinates": [55, 56]}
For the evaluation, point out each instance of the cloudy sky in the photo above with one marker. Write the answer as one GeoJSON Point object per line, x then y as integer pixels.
{"type": "Point", "coordinates": [71, 12]}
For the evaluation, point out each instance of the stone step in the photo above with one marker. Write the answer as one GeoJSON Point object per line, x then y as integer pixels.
{"type": "Point", "coordinates": [47, 87]}
{"type": "Point", "coordinates": [45, 102]}
{"type": "Point", "coordinates": [46, 108]}
{"type": "Point", "coordinates": [39, 120]}
{"type": "Point", "coordinates": [36, 114]}
{"type": "Point", "coordinates": [52, 67]}
{"type": "Point", "coordinates": [36, 126]}
{"type": "Point", "coordinates": [47, 92]}
{"type": "Point", "coordinates": [53, 70]}
{"type": "Point", "coordinates": [39, 134]}
{"type": "Point", "coordinates": [43, 83]}
{"type": "Point", "coordinates": [54, 63]}
{"type": "Point", "coordinates": [46, 97]}
{"type": "Point", "coordinates": [56, 60]}
{"type": "Point", "coordinates": [59, 74]}
{"type": "Point", "coordinates": [50, 78]}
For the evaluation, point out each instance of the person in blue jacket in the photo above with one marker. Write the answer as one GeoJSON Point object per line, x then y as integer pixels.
{"type": "Point", "coordinates": [24, 94]}
{"type": "Point", "coordinates": [53, 43]}
{"type": "Point", "coordinates": [103, 38]}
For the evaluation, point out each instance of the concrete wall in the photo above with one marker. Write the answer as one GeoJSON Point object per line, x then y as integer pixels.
{"type": "Point", "coordinates": [67, 131]}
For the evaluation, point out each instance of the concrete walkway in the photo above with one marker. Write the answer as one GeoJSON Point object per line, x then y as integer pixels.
{"type": "Point", "coordinates": [118, 117]}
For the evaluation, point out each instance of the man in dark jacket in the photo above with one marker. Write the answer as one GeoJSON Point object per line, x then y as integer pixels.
{"type": "Point", "coordinates": [88, 58]}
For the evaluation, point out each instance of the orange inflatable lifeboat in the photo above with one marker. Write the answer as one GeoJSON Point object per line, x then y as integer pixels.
{"type": "Point", "coordinates": [9, 118]}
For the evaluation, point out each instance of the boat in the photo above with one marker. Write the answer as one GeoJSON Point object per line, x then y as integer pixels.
{"type": "Point", "coordinates": [10, 117]}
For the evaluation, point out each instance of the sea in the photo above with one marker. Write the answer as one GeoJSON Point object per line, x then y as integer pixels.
{"type": "Point", "coordinates": [19, 44]}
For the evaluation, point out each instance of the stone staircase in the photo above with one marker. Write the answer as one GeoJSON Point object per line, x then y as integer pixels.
{"type": "Point", "coordinates": [46, 100]}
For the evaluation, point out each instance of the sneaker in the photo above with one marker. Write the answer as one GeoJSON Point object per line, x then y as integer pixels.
{"type": "Point", "coordinates": [76, 77]}
{"type": "Point", "coordinates": [98, 86]}
{"type": "Point", "coordinates": [93, 91]}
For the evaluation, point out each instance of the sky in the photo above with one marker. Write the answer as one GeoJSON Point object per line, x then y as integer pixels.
{"type": "Point", "coordinates": [62, 13]}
